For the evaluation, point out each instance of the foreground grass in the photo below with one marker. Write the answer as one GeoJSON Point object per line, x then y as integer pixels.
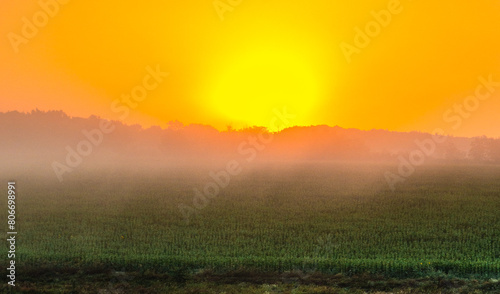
{"type": "Point", "coordinates": [242, 282]}
{"type": "Point", "coordinates": [442, 223]}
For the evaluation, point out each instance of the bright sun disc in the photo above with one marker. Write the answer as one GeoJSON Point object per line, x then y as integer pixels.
{"type": "Point", "coordinates": [250, 88]}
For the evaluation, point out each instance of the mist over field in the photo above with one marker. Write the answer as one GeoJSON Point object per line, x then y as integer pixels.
{"type": "Point", "coordinates": [54, 143]}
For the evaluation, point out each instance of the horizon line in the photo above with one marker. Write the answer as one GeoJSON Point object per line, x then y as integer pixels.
{"type": "Point", "coordinates": [231, 129]}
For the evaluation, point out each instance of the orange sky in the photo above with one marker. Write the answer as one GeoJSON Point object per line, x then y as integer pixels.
{"type": "Point", "coordinates": [234, 67]}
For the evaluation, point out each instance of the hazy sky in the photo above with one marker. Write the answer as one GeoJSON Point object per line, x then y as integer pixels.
{"type": "Point", "coordinates": [412, 63]}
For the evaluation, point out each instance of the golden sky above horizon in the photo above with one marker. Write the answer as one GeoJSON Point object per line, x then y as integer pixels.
{"type": "Point", "coordinates": [384, 64]}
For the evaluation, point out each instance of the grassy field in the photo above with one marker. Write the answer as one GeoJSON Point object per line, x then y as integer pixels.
{"type": "Point", "coordinates": [293, 223]}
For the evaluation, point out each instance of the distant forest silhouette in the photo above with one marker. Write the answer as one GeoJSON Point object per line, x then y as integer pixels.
{"type": "Point", "coordinates": [40, 137]}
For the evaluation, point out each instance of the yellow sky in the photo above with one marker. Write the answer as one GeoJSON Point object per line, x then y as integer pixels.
{"type": "Point", "coordinates": [232, 63]}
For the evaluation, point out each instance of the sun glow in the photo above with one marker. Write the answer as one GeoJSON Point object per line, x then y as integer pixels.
{"type": "Point", "coordinates": [399, 74]}
{"type": "Point", "coordinates": [258, 81]}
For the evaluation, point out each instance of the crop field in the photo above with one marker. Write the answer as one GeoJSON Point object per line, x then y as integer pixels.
{"type": "Point", "coordinates": [301, 219]}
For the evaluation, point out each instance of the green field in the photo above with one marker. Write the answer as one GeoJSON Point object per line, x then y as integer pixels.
{"type": "Point", "coordinates": [294, 221]}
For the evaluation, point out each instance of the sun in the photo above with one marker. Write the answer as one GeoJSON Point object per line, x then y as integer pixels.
{"type": "Point", "coordinates": [255, 83]}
